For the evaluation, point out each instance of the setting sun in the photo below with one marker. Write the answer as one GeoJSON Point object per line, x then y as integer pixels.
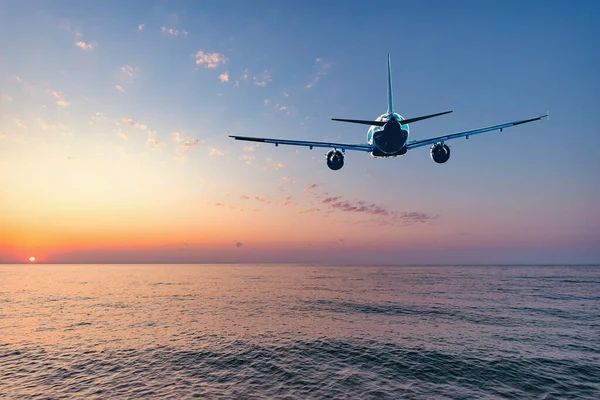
{"type": "Point", "coordinates": [31, 259]}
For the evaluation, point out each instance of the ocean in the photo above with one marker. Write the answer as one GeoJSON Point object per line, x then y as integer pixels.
{"type": "Point", "coordinates": [299, 332]}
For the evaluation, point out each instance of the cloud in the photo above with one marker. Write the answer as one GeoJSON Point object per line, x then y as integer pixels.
{"type": "Point", "coordinates": [3, 136]}
{"type": "Point", "coordinates": [224, 77]}
{"type": "Point", "coordinates": [263, 79]}
{"type": "Point", "coordinates": [311, 210]}
{"type": "Point", "coordinates": [85, 46]}
{"type": "Point", "coordinates": [310, 188]}
{"type": "Point", "coordinates": [210, 60]}
{"type": "Point", "coordinates": [285, 94]}
{"type": "Point", "coordinates": [339, 204]}
{"type": "Point", "coordinates": [129, 72]}
{"type": "Point", "coordinates": [60, 100]}
{"type": "Point", "coordinates": [358, 207]}
{"type": "Point", "coordinates": [190, 143]}
{"type": "Point", "coordinates": [71, 158]}
{"type": "Point", "coordinates": [20, 124]}
{"type": "Point", "coordinates": [250, 147]}
{"type": "Point", "coordinates": [248, 158]}
{"type": "Point", "coordinates": [177, 137]}
{"type": "Point", "coordinates": [122, 134]}
{"type": "Point", "coordinates": [152, 140]}
{"type": "Point", "coordinates": [238, 244]}
{"type": "Point", "coordinates": [135, 124]}
{"type": "Point", "coordinates": [215, 152]}
{"type": "Point", "coordinates": [6, 97]}
{"type": "Point", "coordinates": [173, 32]}
{"type": "Point", "coordinates": [96, 117]}
{"type": "Point", "coordinates": [261, 199]}
{"type": "Point", "coordinates": [323, 70]}
{"type": "Point", "coordinates": [141, 27]}
{"type": "Point", "coordinates": [285, 178]}
{"type": "Point", "coordinates": [245, 197]}
{"type": "Point", "coordinates": [287, 201]}
{"type": "Point", "coordinates": [16, 78]}
{"type": "Point", "coordinates": [187, 143]}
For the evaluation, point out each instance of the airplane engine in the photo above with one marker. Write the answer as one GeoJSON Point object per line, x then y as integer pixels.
{"type": "Point", "coordinates": [440, 153]}
{"type": "Point", "coordinates": [335, 159]}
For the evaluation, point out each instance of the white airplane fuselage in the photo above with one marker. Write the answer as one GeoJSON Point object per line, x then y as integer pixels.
{"type": "Point", "coordinates": [390, 139]}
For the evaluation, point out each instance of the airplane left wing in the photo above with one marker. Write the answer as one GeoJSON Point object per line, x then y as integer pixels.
{"type": "Point", "coordinates": [418, 143]}
{"type": "Point", "coordinates": [359, 147]}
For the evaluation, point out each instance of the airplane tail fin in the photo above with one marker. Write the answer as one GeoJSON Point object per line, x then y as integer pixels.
{"type": "Point", "coordinates": [389, 87]}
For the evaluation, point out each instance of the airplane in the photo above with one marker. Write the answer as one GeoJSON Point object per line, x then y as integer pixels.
{"type": "Point", "coordinates": [388, 135]}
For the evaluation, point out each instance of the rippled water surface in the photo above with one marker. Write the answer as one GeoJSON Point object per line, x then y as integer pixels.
{"type": "Point", "coordinates": [255, 331]}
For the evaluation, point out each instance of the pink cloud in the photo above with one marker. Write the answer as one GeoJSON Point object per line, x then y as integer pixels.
{"type": "Point", "coordinates": [210, 60]}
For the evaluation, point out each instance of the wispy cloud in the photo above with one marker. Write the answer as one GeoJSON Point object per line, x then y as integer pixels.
{"type": "Point", "coordinates": [177, 137]}
{"type": "Point", "coordinates": [173, 32]}
{"type": "Point", "coordinates": [248, 158]}
{"type": "Point", "coordinates": [152, 140]}
{"type": "Point", "coordinates": [135, 124]}
{"type": "Point", "coordinates": [250, 147]}
{"type": "Point", "coordinates": [263, 79]}
{"type": "Point", "coordinates": [16, 78]}
{"type": "Point", "coordinates": [127, 74]}
{"type": "Point", "coordinates": [210, 60]}
{"type": "Point", "coordinates": [190, 143]}
{"type": "Point", "coordinates": [287, 201]}
{"type": "Point", "coordinates": [310, 188]}
{"type": "Point", "coordinates": [239, 244]}
{"type": "Point", "coordinates": [185, 142]}
{"type": "Point", "coordinates": [215, 152]}
{"type": "Point", "coordinates": [96, 117]}
{"type": "Point", "coordinates": [141, 27]}
{"type": "Point", "coordinates": [60, 100]}
{"type": "Point", "coordinates": [323, 70]}
{"type": "Point", "coordinates": [310, 210]}
{"type": "Point", "coordinates": [20, 124]}
{"type": "Point", "coordinates": [3, 136]}
{"type": "Point", "coordinates": [224, 77]}
{"type": "Point", "coordinates": [261, 199]}
{"type": "Point", "coordinates": [85, 46]}
{"type": "Point", "coordinates": [6, 97]}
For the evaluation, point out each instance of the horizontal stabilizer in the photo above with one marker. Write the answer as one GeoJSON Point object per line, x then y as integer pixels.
{"type": "Point", "coordinates": [382, 123]}
{"type": "Point", "coordinates": [360, 121]}
{"type": "Point", "coordinates": [411, 120]}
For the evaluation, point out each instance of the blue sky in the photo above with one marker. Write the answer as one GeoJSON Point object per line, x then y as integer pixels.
{"type": "Point", "coordinates": [136, 99]}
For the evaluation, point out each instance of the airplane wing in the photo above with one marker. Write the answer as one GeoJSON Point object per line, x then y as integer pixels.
{"type": "Point", "coordinates": [359, 147]}
{"type": "Point", "coordinates": [418, 143]}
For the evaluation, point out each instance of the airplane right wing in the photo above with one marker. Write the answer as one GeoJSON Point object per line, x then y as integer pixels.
{"type": "Point", "coordinates": [345, 146]}
{"type": "Point", "coordinates": [418, 143]}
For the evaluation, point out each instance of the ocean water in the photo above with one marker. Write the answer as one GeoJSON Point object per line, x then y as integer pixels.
{"type": "Point", "coordinates": [297, 332]}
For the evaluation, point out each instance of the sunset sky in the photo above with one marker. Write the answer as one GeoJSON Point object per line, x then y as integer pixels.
{"type": "Point", "coordinates": [115, 116]}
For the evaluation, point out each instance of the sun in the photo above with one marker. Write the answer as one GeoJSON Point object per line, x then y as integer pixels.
{"type": "Point", "coordinates": [31, 259]}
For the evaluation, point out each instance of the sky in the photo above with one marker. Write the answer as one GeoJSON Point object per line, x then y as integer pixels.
{"type": "Point", "coordinates": [115, 116]}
